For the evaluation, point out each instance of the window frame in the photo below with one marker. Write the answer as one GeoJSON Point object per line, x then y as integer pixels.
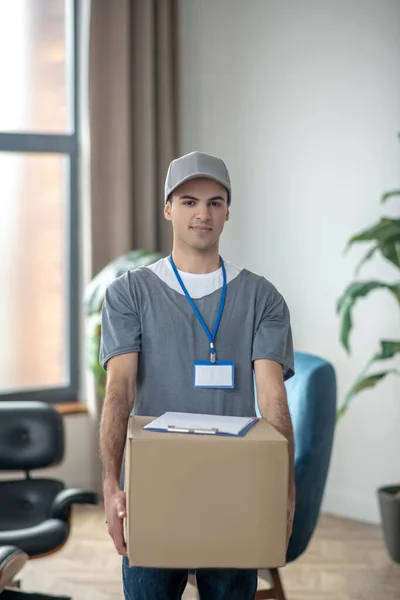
{"type": "Point", "coordinates": [66, 145]}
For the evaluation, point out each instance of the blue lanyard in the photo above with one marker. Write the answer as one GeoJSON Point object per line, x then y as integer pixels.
{"type": "Point", "coordinates": [211, 337]}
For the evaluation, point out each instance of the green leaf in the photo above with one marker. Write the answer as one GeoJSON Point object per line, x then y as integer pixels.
{"type": "Point", "coordinates": [391, 251]}
{"type": "Point", "coordinates": [388, 349]}
{"type": "Point", "coordinates": [346, 327]}
{"type": "Point", "coordinates": [395, 289]}
{"type": "Point", "coordinates": [366, 258]}
{"type": "Point", "coordinates": [97, 369]}
{"type": "Point", "coordinates": [371, 380]}
{"type": "Point", "coordinates": [100, 391]}
{"type": "Point", "coordinates": [386, 234]}
{"type": "Point", "coordinates": [346, 303]}
{"type": "Point", "coordinates": [93, 337]}
{"type": "Point", "coordinates": [362, 384]}
{"type": "Point", "coordinates": [388, 195]}
{"type": "Point", "coordinates": [381, 232]}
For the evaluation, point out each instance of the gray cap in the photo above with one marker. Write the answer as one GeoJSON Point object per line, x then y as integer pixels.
{"type": "Point", "coordinates": [196, 164]}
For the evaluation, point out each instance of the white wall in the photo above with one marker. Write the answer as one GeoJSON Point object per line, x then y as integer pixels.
{"type": "Point", "coordinates": [302, 100]}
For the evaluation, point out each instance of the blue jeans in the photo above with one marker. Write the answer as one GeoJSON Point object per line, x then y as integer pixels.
{"type": "Point", "coordinates": [169, 584]}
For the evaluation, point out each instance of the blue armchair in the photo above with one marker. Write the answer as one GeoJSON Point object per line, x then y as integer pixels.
{"type": "Point", "coordinates": [312, 404]}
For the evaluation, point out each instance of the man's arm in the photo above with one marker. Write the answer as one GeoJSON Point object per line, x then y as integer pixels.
{"type": "Point", "coordinates": [118, 404]}
{"type": "Point", "coordinates": [273, 406]}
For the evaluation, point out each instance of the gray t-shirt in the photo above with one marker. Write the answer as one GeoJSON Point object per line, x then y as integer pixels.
{"type": "Point", "coordinates": [142, 313]}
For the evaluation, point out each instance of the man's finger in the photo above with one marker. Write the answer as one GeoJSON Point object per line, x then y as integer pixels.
{"type": "Point", "coordinates": [117, 535]}
{"type": "Point", "coordinates": [121, 550]}
{"type": "Point", "coordinates": [121, 507]}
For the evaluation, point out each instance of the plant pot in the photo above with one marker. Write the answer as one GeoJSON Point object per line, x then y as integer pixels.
{"type": "Point", "coordinates": [389, 504]}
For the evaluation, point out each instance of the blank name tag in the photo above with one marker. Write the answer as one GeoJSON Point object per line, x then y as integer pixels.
{"type": "Point", "coordinates": [218, 375]}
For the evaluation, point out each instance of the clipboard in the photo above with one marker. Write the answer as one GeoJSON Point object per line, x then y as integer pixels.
{"type": "Point", "coordinates": [199, 424]}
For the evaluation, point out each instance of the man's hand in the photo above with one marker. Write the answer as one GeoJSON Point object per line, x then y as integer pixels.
{"type": "Point", "coordinates": [273, 405]}
{"type": "Point", "coordinates": [115, 505]}
{"type": "Point", "coordinates": [290, 514]}
{"type": "Point", "coordinates": [118, 404]}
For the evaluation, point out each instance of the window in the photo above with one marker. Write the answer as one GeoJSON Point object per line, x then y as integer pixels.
{"type": "Point", "coordinates": [38, 195]}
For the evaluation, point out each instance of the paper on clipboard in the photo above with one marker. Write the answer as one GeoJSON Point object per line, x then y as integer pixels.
{"type": "Point", "coordinates": [201, 424]}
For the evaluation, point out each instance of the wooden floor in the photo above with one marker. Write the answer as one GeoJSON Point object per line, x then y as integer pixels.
{"type": "Point", "coordinates": [345, 560]}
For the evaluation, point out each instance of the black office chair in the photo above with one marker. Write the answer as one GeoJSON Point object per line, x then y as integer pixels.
{"type": "Point", "coordinates": [11, 562]}
{"type": "Point", "coordinates": [35, 513]}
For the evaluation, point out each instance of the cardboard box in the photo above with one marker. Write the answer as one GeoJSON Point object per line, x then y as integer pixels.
{"type": "Point", "coordinates": [201, 501]}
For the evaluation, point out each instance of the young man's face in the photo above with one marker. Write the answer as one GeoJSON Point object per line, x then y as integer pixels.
{"type": "Point", "coordinates": [198, 212]}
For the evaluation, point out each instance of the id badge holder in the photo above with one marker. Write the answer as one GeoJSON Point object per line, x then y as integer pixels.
{"type": "Point", "coordinates": [220, 374]}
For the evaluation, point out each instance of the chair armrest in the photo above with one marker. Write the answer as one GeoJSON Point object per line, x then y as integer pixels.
{"type": "Point", "coordinates": [12, 559]}
{"type": "Point", "coordinates": [64, 499]}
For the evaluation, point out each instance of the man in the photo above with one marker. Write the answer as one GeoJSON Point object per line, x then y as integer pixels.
{"type": "Point", "coordinates": [157, 321]}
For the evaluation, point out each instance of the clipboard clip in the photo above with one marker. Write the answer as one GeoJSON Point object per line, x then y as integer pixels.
{"type": "Point", "coordinates": [177, 429]}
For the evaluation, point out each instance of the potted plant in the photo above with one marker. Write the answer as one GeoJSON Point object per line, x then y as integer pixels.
{"type": "Point", "coordinates": [385, 239]}
{"type": "Point", "coordinates": [93, 302]}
